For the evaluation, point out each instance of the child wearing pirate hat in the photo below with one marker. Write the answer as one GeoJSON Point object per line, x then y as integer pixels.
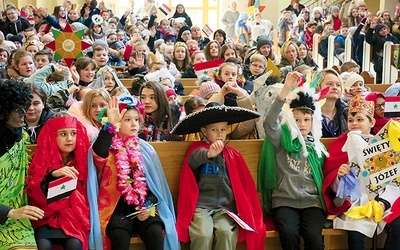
{"type": "Point", "coordinates": [215, 177]}
{"type": "Point", "coordinates": [290, 168]}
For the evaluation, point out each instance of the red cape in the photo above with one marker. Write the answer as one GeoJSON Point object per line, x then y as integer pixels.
{"type": "Point", "coordinates": [244, 190]}
{"type": "Point", "coordinates": [331, 167]}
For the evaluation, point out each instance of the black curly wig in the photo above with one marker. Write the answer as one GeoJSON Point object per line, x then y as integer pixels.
{"type": "Point", "coordinates": [13, 94]}
{"type": "Point", "coordinates": [303, 101]}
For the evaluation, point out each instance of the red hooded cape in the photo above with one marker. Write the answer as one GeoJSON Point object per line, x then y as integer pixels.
{"type": "Point", "coordinates": [330, 171]}
{"type": "Point", "coordinates": [244, 190]}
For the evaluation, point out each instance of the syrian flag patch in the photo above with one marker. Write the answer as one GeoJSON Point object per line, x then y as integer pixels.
{"type": "Point", "coordinates": [60, 188]}
{"type": "Point", "coordinates": [392, 106]}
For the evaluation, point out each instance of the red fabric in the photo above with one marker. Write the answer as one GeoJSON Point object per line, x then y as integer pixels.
{"type": "Point", "coordinates": [395, 211]}
{"type": "Point", "coordinates": [71, 214]}
{"type": "Point", "coordinates": [337, 23]}
{"type": "Point", "coordinates": [330, 171]}
{"type": "Point", "coordinates": [128, 51]}
{"type": "Point", "coordinates": [244, 190]}
{"type": "Point", "coordinates": [308, 38]}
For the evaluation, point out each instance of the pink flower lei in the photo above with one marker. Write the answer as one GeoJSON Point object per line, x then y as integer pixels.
{"type": "Point", "coordinates": [131, 179]}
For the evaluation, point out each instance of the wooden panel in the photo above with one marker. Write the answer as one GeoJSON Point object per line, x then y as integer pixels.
{"type": "Point", "coordinates": [127, 82]}
{"type": "Point", "coordinates": [188, 89]}
{"type": "Point", "coordinates": [378, 87]}
{"type": "Point", "coordinates": [188, 81]}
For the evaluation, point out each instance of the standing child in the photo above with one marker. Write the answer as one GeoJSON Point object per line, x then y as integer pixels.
{"type": "Point", "coordinates": [61, 152]}
{"type": "Point", "coordinates": [338, 167]}
{"type": "Point", "coordinates": [131, 179]}
{"type": "Point", "coordinates": [215, 178]}
{"type": "Point", "coordinates": [290, 167]}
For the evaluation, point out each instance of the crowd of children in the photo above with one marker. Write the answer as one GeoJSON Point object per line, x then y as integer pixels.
{"type": "Point", "coordinates": [92, 132]}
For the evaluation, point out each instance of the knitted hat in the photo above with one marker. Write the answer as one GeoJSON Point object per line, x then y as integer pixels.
{"type": "Point", "coordinates": [334, 8]}
{"type": "Point", "coordinates": [359, 105]}
{"type": "Point", "coordinates": [170, 92]}
{"type": "Point", "coordinates": [263, 40]}
{"type": "Point", "coordinates": [208, 88]}
{"type": "Point", "coordinates": [351, 79]}
{"type": "Point", "coordinates": [16, 38]}
{"type": "Point", "coordinates": [361, 3]}
{"type": "Point", "coordinates": [158, 42]}
{"type": "Point", "coordinates": [379, 26]}
{"type": "Point", "coordinates": [169, 36]}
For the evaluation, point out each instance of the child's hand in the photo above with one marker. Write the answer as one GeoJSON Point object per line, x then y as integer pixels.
{"type": "Point", "coordinates": [343, 170]}
{"type": "Point", "coordinates": [215, 149]}
{"type": "Point", "coordinates": [138, 60]}
{"type": "Point", "coordinates": [292, 80]}
{"type": "Point", "coordinates": [65, 171]}
{"type": "Point", "coordinates": [73, 89]}
{"type": "Point", "coordinates": [113, 114]}
{"type": "Point", "coordinates": [144, 215]}
{"type": "Point", "coordinates": [234, 88]}
{"type": "Point", "coordinates": [74, 74]}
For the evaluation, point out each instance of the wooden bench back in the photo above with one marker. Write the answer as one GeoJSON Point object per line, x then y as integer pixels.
{"type": "Point", "coordinates": [172, 154]}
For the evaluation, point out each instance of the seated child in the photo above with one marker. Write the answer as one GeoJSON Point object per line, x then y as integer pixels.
{"type": "Point", "coordinates": [291, 166]}
{"type": "Point", "coordinates": [339, 166]}
{"type": "Point", "coordinates": [353, 86]}
{"type": "Point", "coordinates": [206, 189]}
{"type": "Point", "coordinates": [62, 150]}
{"type": "Point", "coordinates": [131, 179]}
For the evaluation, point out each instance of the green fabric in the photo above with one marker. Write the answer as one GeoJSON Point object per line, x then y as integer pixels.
{"type": "Point", "coordinates": [12, 183]}
{"type": "Point", "coordinates": [266, 168]}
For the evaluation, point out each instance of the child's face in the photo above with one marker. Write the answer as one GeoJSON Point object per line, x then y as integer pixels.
{"type": "Point", "coordinates": [214, 50]}
{"type": "Point", "coordinates": [3, 57]}
{"type": "Point", "coordinates": [303, 121]}
{"type": "Point", "coordinates": [333, 82]}
{"type": "Point", "coordinates": [172, 99]}
{"type": "Point", "coordinates": [215, 131]}
{"type": "Point", "coordinates": [198, 58]}
{"type": "Point", "coordinates": [229, 53]}
{"type": "Point", "coordinates": [97, 104]}
{"type": "Point", "coordinates": [141, 49]}
{"type": "Point", "coordinates": [97, 29]}
{"type": "Point", "coordinates": [256, 68]}
{"type": "Point", "coordinates": [164, 24]}
{"type": "Point", "coordinates": [166, 82]}
{"type": "Point", "coordinates": [109, 81]}
{"type": "Point", "coordinates": [120, 36]}
{"type": "Point", "coordinates": [66, 140]}
{"type": "Point", "coordinates": [41, 60]}
{"type": "Point", "coordinates": [357, 88]}
{"type": "Point", "coordinates": [25, 66]}
{"type": "Point", "coordinates": [354, 69]}
{"type": "Point", "coordinates": [148, 98]}
{"type": "Point", "coordinates": [180, 53]}
{"type": "Point", "coordinates": [228, 74]}
{"type": "Point", "coordinates": [265, 50]}
{"type": "Point", "coordinates": [302, 51]}
{"type": "Point", "coordinates": [380, 107]}
{"type": "Point", "coordinates": [87, 74]}
{"type": "Point", "coordinates": [344, 31]}
{"type": "Point", "coordinates": [112, 38]}
{"type": "Point", "coordinates": [170, 42]}
{"type": "Point", "coordinates": [73, 15]}
{"type": "Point", "coordinates": [360, 122]}
{"type": "Point", "coordinates": [35, 110]}
{"type": "Point", "coordinates": [33, 49]}
{"type": "Point", "coordinates": [129, 124]}
{"type": "Point", "coordinates": [101, 58]}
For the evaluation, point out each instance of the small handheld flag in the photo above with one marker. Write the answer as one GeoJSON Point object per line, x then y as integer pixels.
{"type": "Point", "coordinates": [392, 106]}
{"type": "Point", "coordinates": [206, 68]}
{"type": "Point", "coordinates": [165, 9]}
{"type": "Point", "coordinates": [207, 30]}
{"type": "Point", "coordinates": [60, 188]}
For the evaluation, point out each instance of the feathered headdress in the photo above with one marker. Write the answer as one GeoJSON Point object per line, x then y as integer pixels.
{"type": "Point", "coordinates": [304, 97]}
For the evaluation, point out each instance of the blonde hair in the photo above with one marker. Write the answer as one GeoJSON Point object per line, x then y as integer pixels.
{"type": "Point", "coordinates": [87, 102]}
{"type": "Point", "coordinates": [285, 47]}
